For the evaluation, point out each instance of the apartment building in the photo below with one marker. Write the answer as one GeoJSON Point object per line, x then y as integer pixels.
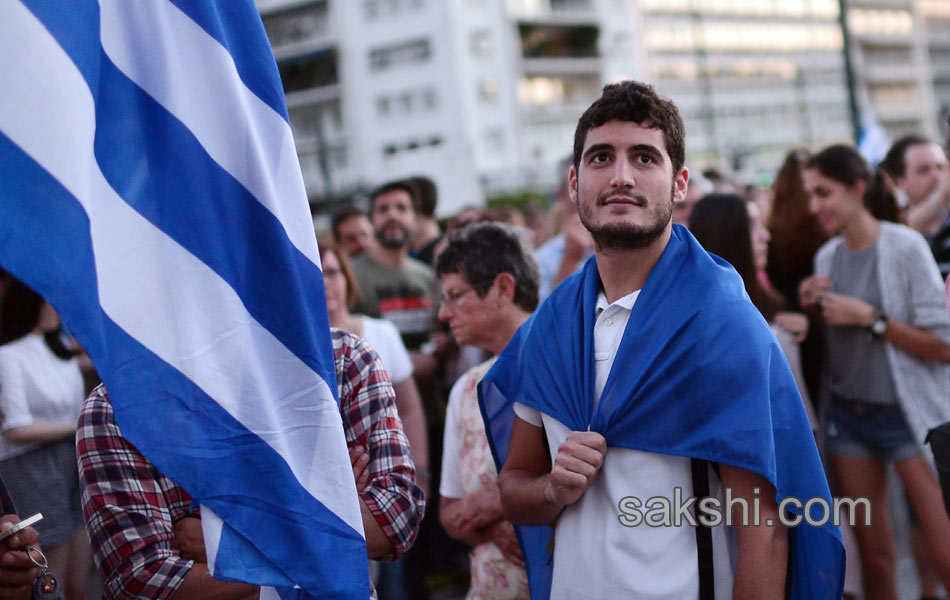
{"type": "Point", "coordinates": [892, 58]}
{"type": "Point", "coordinates": [483, 95]}
{"type": "Point", "coordinates": [936, 18]}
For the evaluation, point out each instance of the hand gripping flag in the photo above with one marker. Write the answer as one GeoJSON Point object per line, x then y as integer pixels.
{"type": "Point", "coordinates": [700, 376]}
{"type": "Point", "coordinates": [150, 190]}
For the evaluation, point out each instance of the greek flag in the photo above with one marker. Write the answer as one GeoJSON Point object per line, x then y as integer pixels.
{"type": "Point", "coordinates": [150, 190]}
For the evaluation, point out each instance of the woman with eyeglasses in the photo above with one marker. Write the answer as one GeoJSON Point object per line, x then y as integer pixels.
{"type": "Point", "coordinates": [489, 287]}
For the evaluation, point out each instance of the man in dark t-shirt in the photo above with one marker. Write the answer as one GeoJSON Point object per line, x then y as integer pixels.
{"type": "Point", "coordinates": [392, 285]}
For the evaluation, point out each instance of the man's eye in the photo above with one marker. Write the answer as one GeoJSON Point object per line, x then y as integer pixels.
{"type": "Point", "coordinates": [600, 157]}
{"type": "Point", "coordinates": [645, 159]}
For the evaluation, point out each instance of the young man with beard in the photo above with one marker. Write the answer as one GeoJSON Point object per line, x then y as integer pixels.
{"type": "Point", "coordinates": [692, 409]}
{"type": "Point", "coordinates": [393, 285]}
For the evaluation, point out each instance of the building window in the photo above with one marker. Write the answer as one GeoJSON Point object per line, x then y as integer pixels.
{"type": "Point", "coordinates": [376, 9]}
{"type": "Point", "coordinates": [421, 100]}
{"type": "Point", "coordinates": [411, 145]}
{"type": "Point", "coordinates": [310, 71]}
{"type": "Point", "coordinates": [482, 43]}
{"type": "Point", "coordinates": [430, 99]}
{"type": "Point", "coordinates": [414, 51]}
{"type": "Point", "coordinates": [488, 90]}
{"type": "Point", "coordinates": [494, 141]}
{"type": "Point", "coordinates": [297, 24]}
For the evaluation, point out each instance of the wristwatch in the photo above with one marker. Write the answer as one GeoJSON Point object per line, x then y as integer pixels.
{"type": "Point", "coordinates": [879, 326]}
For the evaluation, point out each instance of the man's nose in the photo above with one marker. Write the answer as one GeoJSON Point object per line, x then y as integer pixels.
{"type": "Point", "coordinates": [623, 174]}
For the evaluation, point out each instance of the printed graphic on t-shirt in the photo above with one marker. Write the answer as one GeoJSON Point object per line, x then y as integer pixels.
{"type": "Point", "coordinates": [410, 310]}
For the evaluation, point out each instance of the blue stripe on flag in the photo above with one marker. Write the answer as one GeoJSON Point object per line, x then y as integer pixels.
{"type": "Point", "coordinates": [38, 215]}
{"type": "Point", "coordinates": [76, 30]}
{"type": "Point", "coordinates": [255, 64]}
{"type": "Point", "coordinates": [40, 218]}
{"type": "Point", "coordinates": [158, 167]}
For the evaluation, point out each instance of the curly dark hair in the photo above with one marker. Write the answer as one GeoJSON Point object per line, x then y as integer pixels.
{"type": "Point", "coordinates": [637, 103]}
{"type": "Point", "coordinates": [482, 251]}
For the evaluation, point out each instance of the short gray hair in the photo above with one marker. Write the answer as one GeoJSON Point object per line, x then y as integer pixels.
{"type": "Point", "coordinates": [482, 251]}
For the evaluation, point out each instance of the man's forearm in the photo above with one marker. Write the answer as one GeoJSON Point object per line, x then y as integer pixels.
{"type": "Point", "coordinates": [200, 585]}
{"type": "Point", "coordinates": [377, 544]}
{"type": "Point", "coordinates": [525, 498]}
{"type": "Point", "coordinates": [761, 565]}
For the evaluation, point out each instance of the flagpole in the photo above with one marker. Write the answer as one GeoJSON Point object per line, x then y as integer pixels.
{"type": "Point", "coordinates": [849, 69]}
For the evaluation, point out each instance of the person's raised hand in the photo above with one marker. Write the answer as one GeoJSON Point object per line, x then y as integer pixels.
{"type": "Point", "coordinates": [17, 571]}
{"type": "Point", "coordinates": [578, 460]}
{"type": "Point", "coordinates": [845, 310]}
{"type": "Point", "coordinates": [503, 535]}
{"type": "Point", "coordinates": [190, 539]}
{"type": "Point", "coordinates": [811, 289]}
{"type": "Point", "coordinates": [794, 323]}
{"type": "Point", "coordinates": [359, 460]}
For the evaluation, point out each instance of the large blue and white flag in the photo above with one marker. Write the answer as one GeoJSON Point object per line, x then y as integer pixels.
{"type": "Point", "coordinates": [150, 190]}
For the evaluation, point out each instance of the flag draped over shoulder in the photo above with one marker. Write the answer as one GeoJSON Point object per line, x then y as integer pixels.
{"type": "Point", "coordinates": [150, 190]}
{"type": "Point", "coordinates": [698, 374]}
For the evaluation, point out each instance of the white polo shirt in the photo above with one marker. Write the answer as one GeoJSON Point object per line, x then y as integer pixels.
{"type": "Point", "coordinates": [595, 554]}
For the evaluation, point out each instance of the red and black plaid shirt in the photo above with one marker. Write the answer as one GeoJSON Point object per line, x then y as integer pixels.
{"type": "Point", "coordinates": [130, 507]}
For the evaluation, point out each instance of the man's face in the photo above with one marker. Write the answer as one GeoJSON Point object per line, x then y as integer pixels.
{"type": "Point", "coordinates": [625, 186]}
{"type": "Point", "coordinates": [354, 235]}
{"type": "Point", "coordinates": [394, 218]}
{"type": "Point", "coordinates": [925, 167]}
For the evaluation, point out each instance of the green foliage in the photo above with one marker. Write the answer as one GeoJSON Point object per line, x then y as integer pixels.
{"type": "Point", "coordinates": [520, 199]}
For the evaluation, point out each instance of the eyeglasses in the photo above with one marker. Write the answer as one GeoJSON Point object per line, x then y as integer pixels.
{"type": "Point", "coordinates": [452, 299]}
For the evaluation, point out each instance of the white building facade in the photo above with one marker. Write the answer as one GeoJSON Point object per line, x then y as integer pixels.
{"type": "Point", "coordinates": [483, 96]}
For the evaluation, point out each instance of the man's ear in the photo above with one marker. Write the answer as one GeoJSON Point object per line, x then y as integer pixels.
{"type": "Point", "coordinates": [572, 184]}
{"type": "Point", "coordinates": [504, 285]}
{"type": "Point", "coordinates": [680, 185]}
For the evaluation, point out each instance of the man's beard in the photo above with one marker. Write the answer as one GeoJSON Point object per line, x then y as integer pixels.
{"type": "Point", "coordinates": [389, 237]}
{"type": "Point", "coordinates": [621, 237]}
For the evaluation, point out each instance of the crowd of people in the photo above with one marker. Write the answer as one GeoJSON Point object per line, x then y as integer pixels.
{"type": "Point", "coordinates": [508, 385]}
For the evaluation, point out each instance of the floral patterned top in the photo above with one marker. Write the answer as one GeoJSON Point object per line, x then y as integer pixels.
{"type": "Point", "coordinates": [467, 467]}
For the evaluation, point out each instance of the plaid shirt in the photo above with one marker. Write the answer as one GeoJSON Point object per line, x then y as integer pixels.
{"type": "Point", "coordinates": [130, 507]}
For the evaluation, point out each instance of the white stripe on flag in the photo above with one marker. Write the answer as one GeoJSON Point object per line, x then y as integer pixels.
{"type": "Point", "coordinates": [193, 77]}
{"type": "Point", "coordinates": [221, 349]}
{"type": "Point", "coordinates": [211, 528]}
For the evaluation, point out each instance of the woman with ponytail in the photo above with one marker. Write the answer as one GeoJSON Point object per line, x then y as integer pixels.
{"type": "Point", "coordinates": [886, 377]}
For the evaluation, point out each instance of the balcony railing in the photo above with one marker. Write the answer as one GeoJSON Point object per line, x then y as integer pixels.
{"type": "Point", "coordinates": [542, 9]}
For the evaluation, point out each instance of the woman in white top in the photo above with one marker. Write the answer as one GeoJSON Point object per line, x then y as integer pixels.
{"type": "Point", "coordinates": [384, 338]}
{"type": "Point", "coordinates": [41, 390]}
